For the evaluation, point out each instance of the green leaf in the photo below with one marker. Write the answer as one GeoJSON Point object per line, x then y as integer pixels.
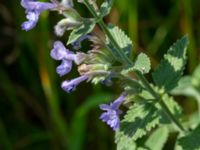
{"type": "Point", "coordinates": [186, 88]}
{"type": "Point", "coordinates": [190, 141]}
{"type": "Point", "coordinates": [142, 63]}
{"type": "Point", "coordinates": [196, 77]}
{"type": "Point", "coordinates": [173, 106]}
{"type": "Point", "coordinates": [124, 142]}
{"type": "Point", "coordinates": [143, 116]}
{"type": "Point", "coordinates": [142, 148]}
{"type": "Point", "coordinates": [85, 28]}
{"type": "Point", "coordinates": [122, 40]}
{"type": "Point", "coordinates": [171, 67]}
{"type": "Point", "coordinates": [106, 7]}
{"type": "Point", "coordinates": [139, 119]}
{"type": "Point", "coordinates": [193, 120]}
{"type": "Point", "coordinates": [157, 139]}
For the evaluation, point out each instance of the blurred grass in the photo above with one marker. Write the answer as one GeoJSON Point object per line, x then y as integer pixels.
{"type": "Point", "coordinates": [36, 114]}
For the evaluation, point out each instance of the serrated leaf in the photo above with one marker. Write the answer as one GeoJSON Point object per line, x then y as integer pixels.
{"type": "Point", "coordinates": [142, 63]}
{"type": "Point", "coordinates": [139, 119]}
{"type": "Point", "coordinates": [106, 7]}
{"type": "Point", "coordinates": [122, 40]}
{"type": "Point", "coordinates": [190, 141]}
{"type": "Point", "coordinates": [173, 107]}
{"type": "Point", "coordinates": [171, 67]}
{"type": "Point", "coordinates": [144, 116]}
{"type": "Point", "coordinates": [85, 28]}
{"type": "Point", "coordinates": [157, 139]}
{"type": "Point", "coordinates": [123, 142]}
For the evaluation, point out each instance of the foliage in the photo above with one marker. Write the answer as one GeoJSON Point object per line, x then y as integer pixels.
{"type": "Point", "coordinates": [121, 38]}
{"type": "Point", "coordinates": [139, 120]}
{"type": "Point", "coordinates": [189, 141]}
{"type": "Point", "coordinates": [36, 114]}
{"type": "Point", "coordinates": [156, 143]}
{"type": "Point", "coordinates": [106, 7]}
{"type": "Point", "coordinates": [171, 68]}
{"type": "Point", "coordinates": [85, 28]}
{"type": "Point", "coordinates": [142, 63]}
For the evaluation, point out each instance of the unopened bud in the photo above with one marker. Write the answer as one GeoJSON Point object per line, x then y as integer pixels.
{"type": "Point", "coordinates": [65, 24]}
{"type": "Point", "coordinates": [82, 69]}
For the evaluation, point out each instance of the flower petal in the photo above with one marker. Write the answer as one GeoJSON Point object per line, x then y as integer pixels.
{"type": "Point", "coordinates": [104, 107]}
{"type": "Point", "coordinates": [59, 51]}
{"type": "Point", "coordinates": [32, 17]}
{"type": "Point", "coordinates": [70, 86]}
{"type": "Point", "coordinates": [64, 68]}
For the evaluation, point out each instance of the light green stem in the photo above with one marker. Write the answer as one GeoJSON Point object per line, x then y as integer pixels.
{"type": "Point", "coordinates": [105, 29]}
{"type": "Point", "coordinates": [129, 62]}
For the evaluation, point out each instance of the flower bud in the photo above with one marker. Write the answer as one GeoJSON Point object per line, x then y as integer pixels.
{"type": "Point", "coordinates": [65, 24]}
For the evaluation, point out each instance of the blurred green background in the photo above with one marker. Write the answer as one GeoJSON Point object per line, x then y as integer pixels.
{"type": "Point", "coordinates": [35, 114]}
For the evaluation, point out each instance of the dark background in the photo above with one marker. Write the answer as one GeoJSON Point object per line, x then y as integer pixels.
{"type": "Point", "coordinates": [36, 114]}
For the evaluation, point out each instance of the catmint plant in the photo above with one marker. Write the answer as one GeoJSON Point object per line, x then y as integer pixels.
{"type": "Point", "coordinates": [150, 111]}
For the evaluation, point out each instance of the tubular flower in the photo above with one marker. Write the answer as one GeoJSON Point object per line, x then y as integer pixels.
{"type": "Point", "coordinates": [33, 10]}
{"type": "Point", "coordinates": [64, 68]}
{"type": "Point", "coordinates": [111, 116]}
{"type": "Point", "coordinates": [59, 52]}
{"type": "Point", "coordinates": [70, 85]}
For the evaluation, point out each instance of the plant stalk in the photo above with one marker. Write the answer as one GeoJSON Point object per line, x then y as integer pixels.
{"type": "Point", "coordinates": [105, 29]}
{"type": "Point", "coordinates": [129, 62]}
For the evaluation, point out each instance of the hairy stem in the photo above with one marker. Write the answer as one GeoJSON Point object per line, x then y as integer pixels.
{"type": "Point", "coordinates": [129, 62]}
{"type": "Point", "coordinates": [105, 29]}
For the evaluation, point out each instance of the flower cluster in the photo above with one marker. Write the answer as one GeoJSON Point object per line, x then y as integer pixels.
{"type": "Point", "coordinates": [96, 65]}
{"type": "Point", "coordinates": [59, 52]}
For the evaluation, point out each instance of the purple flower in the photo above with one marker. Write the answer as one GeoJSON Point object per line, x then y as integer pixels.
{"type": "Point", "coordinates": [78, 58]}
{"type": "Point", "coordinates": [77, 44]}
{"type": "Point", "coordinates": [32, 20]}
{"type": "Point", "coordinates": [33, 10]}
{"type": "Point", "coordinates": [59, 52]}
{"type": "Point", "coordinates": [64, 68]}
{"type": "Point", "coordinates": [70, 86]}
{"type": "Point", "coordinates": [111, 116]}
